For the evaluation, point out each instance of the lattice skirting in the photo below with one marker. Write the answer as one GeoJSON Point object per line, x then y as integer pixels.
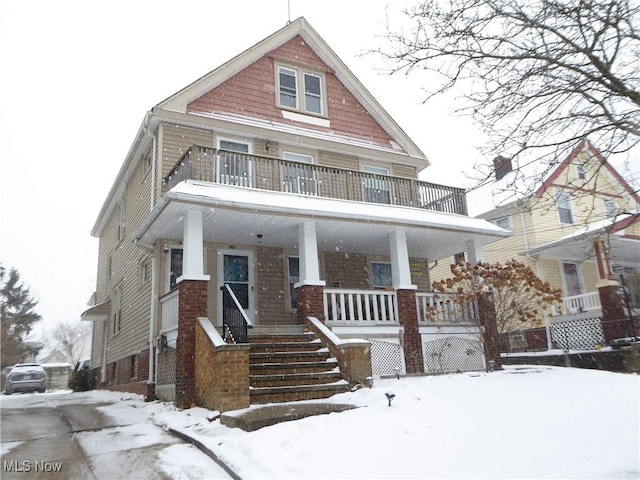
{"type": "Point", "coordinates": [166, 373]}
{"type": "Point", "coordinates": [452, 354]}
{"type": "Point", "coordinates": [385, 356]}
{"type": "Point", "coordinates": [582, 334]}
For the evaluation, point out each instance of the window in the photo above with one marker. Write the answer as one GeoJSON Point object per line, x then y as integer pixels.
{"type": "Point", "coordinates": [235, 167]}
{"type": "Point", "coordinates": [117, 310]}
{"type": "Point", "coordinates": [381, 275]}
{"type": "Point", "coordinates": [581, 172]}
{"type": "Point", "coordinates": [122, 217]}
{"type": "Point", "coordinates": [504, 222]}
{"type": "Point", "coordinates": [299, 178]}
{"type": "Point", "coordinates": [459, 259]}
{"type": "Point", "coordinates": [134, 365]}
{"type": "Point", "coordinates": [565, 210]}
{"type": "Point", "coordinates": [377, 189]}
{"type": "Point", "coordinates": [174, 263]}
{"type": "Point", "coordinates": [294, 277]}
{"type": "Point", "coordinates": [288, 87]}
{"type": "Point", "coordinates": [311, 84]}
{"type": "Point", "coordinates": [610, 207]}
{"type": "Point", "coordinates": [145, 271]}
{"type": "Point", "coordinates": [313, 93]}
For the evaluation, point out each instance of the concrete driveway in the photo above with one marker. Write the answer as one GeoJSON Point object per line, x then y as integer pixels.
{"type": "Point", "coordinates": [49, 436]}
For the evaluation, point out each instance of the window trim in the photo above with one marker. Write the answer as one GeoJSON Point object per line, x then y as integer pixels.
{"type": "Point", "coordinates": [612, 210]}
{"type": "Point", "coordinates": [569, 207]}
{"type": "Point", "coordinates": [116, 310]}
{"type": "Point", "coordinates": [379, 262]}
{"type": "Point", "coordinates": [509, 221]}
{"type": "Point", "coordinates": [121, 220]}
{"type": "Point", "coordinates": [291, 284]}
{"type": "Point", "coordinates": [300, 74]}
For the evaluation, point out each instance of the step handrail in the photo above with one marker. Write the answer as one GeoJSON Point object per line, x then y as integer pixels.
{"type": "Point", "coordinates": [235, 322]}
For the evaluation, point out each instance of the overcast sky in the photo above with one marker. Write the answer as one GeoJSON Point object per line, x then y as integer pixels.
{"type": "Point", "coordinates": [78, 76]}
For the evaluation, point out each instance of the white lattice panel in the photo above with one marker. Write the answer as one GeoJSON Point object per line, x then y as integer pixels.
{"type": "Point", "coordinates": [581, 334]}
{"type": "Point", "coordinates": [452, 354]}
{"type": "Point", "coordinates": [166, 367]}
{"type": "Point", "coordinates": [385, 356]}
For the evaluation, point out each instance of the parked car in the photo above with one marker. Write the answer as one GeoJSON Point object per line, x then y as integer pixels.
{"type": "Point", "coordinates": [26, 377]}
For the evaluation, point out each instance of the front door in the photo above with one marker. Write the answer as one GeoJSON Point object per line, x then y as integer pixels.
{"type": "Point", "coordinates": [235, 268]}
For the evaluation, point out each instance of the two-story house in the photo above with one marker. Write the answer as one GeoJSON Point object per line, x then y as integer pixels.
{"type": "Point", "coordinates": [576, 225]}
{"type": "Point", "coordinates": [271, 191]}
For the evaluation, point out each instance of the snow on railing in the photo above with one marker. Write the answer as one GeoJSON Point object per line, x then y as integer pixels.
{"type": "Point", "coordinates": [442, 308]}
{"type": "Point", "coordinates": [169, 311]}
{"type": "Point", "coordinates": [363, 306]}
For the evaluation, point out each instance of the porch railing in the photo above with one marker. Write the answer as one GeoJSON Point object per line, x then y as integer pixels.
{"type": "Point", "coordinates": [253, 171]}
{"type": "Point", "coordinates": [235, 323]}
{"type": "Point", "coordinates": [169, 311]}
{"type": "Point", "coordinates": [585, 302]}
{"type": "Point", "coordinates": [442, 308]}
{"type": "Point", "coordinates": [360, 306]}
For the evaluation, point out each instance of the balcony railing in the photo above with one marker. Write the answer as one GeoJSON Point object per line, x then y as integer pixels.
{"type": "Point", "coordinates": [585, 302]}
{"type": "Point", "coordinates": [253, 171]}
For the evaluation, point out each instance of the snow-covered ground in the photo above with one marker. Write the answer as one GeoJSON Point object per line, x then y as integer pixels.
{"type": "Point", "coordinates": [523, 422]}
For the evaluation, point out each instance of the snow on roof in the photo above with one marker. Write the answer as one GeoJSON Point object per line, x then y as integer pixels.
{"type": "Point", "coordinates": [279, 202]}
{"type": "Point", "coordinates": [592, 229]}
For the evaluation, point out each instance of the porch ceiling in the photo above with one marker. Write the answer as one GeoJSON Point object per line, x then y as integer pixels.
{"type": "Point", "coordinates": [233, 215]}
{"type": "Point", "coordinates": [621, 250]}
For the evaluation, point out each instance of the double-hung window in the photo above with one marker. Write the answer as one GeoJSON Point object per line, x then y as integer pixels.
{"type": "Point", "coordinates": [299, 177]}
{"type": "Point", "coordinates": [610, 207]}
{"type": "Point", "coordinates": [565, 210]}
{"type": "Point", "coordinates": [234, 166]}
{"type": "Point", "coordinates": [581, 171]}
{"type": "Point", "coordinates": [301, 90]}
{"type": "Point", "coordinates": [381, 274]}
{"type": "Point", "coordinates": [377, 188]}
{"type": "Point", "coordinates": [117, 310]}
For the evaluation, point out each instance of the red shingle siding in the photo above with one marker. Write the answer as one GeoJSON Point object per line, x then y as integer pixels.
{"type": "Point", "coordinates": [257, 83]}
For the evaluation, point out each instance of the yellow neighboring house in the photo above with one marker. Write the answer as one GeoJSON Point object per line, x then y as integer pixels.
{"type": "Point", "coordinates": [577, 226]}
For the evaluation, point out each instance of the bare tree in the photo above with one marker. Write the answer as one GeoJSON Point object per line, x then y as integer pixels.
{"type": "Point", "coordinates": [72, 338]}
{"type": "Point", "coordinates": [536, 75]}
{"type": "Point", "coordinates": [510, 297]}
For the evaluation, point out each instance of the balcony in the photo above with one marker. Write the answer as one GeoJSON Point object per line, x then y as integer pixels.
{"type": "Point", "coordinates": [275, 174]}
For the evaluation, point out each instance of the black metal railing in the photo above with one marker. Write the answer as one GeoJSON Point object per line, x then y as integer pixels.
{"type": "Point", "coordinates": [235, 323]}
{"type": "Point", "coordinates": [253, 171]}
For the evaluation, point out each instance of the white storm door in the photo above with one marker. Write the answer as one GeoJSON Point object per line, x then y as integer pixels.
{"type": "Point", "coordinates": [235, 268]}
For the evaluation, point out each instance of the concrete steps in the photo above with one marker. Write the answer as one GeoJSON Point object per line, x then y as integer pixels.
{"type": "Point", "coordinates": [289, 364]}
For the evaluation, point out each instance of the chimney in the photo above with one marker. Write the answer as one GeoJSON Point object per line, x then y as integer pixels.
{"type": "Point", "coordinates": [501, 166]}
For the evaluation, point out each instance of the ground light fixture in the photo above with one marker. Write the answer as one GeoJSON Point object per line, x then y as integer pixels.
{"type": "Point", "coordinates": [396, 370]}
{"type": "Point", "coordinates": [390, 396]}
{"type": "Point", "coordinates": [369, 381]}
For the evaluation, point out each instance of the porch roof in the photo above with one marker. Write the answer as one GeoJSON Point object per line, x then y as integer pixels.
{"type": "Point", "coordinates": [579, 244]}
{"type": "Point", "coordinates": [97, 312]}
{"type": "Point", "coordinates": [236, 215]}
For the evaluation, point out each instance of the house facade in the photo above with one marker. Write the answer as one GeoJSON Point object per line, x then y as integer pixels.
{"type": "Point", "coordinates": [271, 194]}
{"type": "Point", "coordinates": [577, 227]}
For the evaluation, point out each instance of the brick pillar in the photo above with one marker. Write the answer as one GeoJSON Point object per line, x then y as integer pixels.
{"type": "Point", "coordinates": [192, 303]}
{"type": "Point", "coordinates": [490, 336]}
{"type": "Point", "coordinates": [615, 323]}
{"type": "Point", "coordinates": [310, 303]}
{"type": "Point", "coordinates": [408, 314]}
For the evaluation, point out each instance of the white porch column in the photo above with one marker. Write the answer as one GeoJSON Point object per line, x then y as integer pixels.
{"type": "Point", "coordinates": [308, 251]}
{"type": "Point", "coordinates": [399, 253]}
{"type": "Point", "coordinates": [193, 244]}
{"type": "Point", "coordinates": [474, 252]}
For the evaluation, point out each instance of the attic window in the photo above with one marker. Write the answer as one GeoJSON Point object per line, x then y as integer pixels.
{"type": "Point", "coordinates": [581, 172]}
{"type": "Point", "coordinates": [301, 90]}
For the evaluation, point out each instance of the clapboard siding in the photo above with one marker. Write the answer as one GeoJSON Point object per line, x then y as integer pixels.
{"type": "Point", "coordinates": [176, 140]}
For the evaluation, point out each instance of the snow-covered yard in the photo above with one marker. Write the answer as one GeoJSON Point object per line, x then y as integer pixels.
{"type": "Point", "coordinates": [523, 422]}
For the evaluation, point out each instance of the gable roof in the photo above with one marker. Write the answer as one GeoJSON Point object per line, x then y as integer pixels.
{"type": "Point", "coordinates": [179, 101]}
{"type": "Point", "coordinates": [533, 180]}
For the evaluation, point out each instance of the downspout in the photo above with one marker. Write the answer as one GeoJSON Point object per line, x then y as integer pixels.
{"type": "Point", "coordinates": [152, 307]}
{"type": "Point", "coordinates": [152, 310]}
